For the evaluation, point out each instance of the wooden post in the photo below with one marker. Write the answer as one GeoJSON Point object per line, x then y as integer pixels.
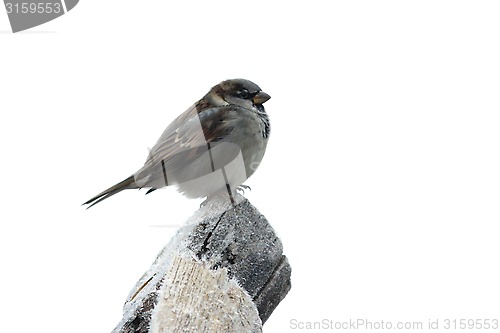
{"type": "Point", "coordinates": [224, 271]}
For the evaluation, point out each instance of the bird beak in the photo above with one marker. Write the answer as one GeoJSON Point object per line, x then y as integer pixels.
{"type": "Point", "coordinates": [260, 98]}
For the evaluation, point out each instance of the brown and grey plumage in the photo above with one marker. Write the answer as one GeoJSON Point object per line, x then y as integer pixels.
{"type": "Point", "coordinates": [217, 143]}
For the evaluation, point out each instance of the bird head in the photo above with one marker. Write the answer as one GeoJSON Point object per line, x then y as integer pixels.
{"type": "Point", "coordinates": [239, 92]}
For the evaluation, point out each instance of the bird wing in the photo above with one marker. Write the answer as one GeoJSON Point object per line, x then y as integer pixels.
{"type": "Point", "coordinates": [188, 141]}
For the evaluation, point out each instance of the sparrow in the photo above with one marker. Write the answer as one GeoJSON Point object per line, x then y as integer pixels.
{"type": "Point", "coordinates": [211, 148]}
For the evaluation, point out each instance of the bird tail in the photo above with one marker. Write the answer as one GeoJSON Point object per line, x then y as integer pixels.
{"type": "Point", "coordinates": [123, 185]}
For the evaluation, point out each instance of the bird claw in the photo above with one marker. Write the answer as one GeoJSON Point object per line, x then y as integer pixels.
{"type": "Point", "coordinates": [223, 195]}
{"type": "Point", "coordinates": [243, 188]}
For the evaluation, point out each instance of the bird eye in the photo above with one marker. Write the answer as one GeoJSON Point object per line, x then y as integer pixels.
{"type": "Point", "coordinates": [242, 94]}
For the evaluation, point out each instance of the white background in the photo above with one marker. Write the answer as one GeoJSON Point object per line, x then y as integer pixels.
{"type": "Point", "coordinates": [382, 175]}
